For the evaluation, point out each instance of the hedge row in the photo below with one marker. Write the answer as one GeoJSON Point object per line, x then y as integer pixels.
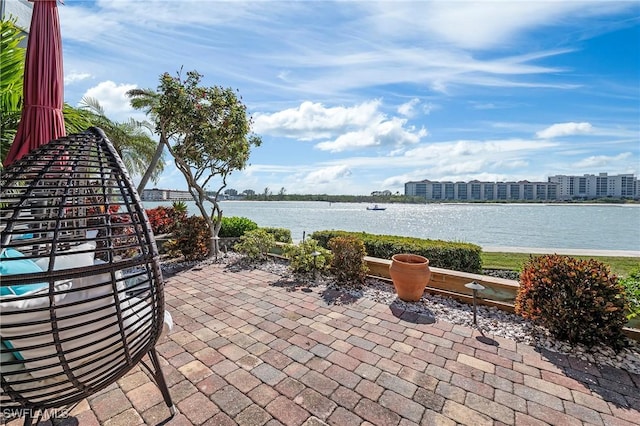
{"type": "Point", "coordinates": [236, 227]}
{"type": "Point", "coordinates": [463, 257]}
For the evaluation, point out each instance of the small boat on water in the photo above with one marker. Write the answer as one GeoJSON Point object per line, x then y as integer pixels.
{"type": "Point", "coordinates": [376, 207]}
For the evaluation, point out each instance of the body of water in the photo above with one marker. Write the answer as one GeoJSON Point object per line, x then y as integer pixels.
{"type": "Point", "coordinates": [492, 226]}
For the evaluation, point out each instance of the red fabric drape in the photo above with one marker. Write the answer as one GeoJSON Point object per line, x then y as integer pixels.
{"type": "Point", "coordinates": [41, 119]}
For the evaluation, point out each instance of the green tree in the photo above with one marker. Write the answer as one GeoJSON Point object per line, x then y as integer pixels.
{"type": "Point", "coordinates": [131, 139]}
{"type": "Point", "coordinates": [206, 130]}
{"type": "Point", "coordinates": [282, 193]}
{"type": "Point", "coordinates": [12, 58]}
{"type": "Point", "coordinates": [148, 101]}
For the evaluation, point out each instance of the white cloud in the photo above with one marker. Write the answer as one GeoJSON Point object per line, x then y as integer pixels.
{"type": "Point", "coordinates": [600, 161]}
{"type": "Point", "coordinates": [509, 159]}
{"type": "Point", "coordinates": [565, 129]}
{"type": "Point", "coordinates": [284, 75]}
{"type": "Point", "coordinates": [383, 133]}
{"type": "Point", "coordinates": [326, 73]}
{"type": "Point", "coordinates": [85, 25]}
{"type": "Point", "coordinates": [113, 99]}
{"type": "Point", "coordinates": [315, 121]}
{"type": "Point", "coordinates": [72, 77]}
{"type": "Point", "coordinates": [84, 22]}
{"type": "Point", "coordinates": [348, 128]}
{"type": "Point", "coordinates": [497, 149]}
{"type": "Point", "coordinates": [485, 106]}
{"type": "Point", "coordinates": [482, 25]}
{"type": "Point", "coordinates": [427, 108]}
{"type": "Point", "coordinates": [374, 44]}
{"type": "Point", "coordinates": [327, 174]}
{"type": "Point", "coordinates": [479, 25]}
{"type": "Point", "coordinates": [371, 43]}
{"type": "Point", "coordinates": [408, 109]}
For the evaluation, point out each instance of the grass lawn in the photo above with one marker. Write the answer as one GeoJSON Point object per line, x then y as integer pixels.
{"type": "Point", "coordinates": [620, 266]}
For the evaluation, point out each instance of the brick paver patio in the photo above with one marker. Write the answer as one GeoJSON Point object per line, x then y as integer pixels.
{"type": "Point", "coordinates": [249, 349]}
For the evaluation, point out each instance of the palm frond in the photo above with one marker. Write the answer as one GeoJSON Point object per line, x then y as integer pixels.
{"type": "Point", "coordinates": [12, 58]}
{"type": "Point", "coordinates": [91, 104]}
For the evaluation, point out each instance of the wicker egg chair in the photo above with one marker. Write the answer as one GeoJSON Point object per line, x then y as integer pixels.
{"type": "Point", "coordinates": [82, 292]}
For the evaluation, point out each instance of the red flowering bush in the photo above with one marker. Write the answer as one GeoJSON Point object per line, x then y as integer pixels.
{"type": "Point", "coordinates": [163, 219]}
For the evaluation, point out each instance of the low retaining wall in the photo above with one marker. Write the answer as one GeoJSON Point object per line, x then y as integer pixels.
{"type": "Point", "coordinates": [498, 292]}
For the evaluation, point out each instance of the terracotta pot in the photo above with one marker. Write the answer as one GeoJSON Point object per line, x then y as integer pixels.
{"type": "Point", "coordinates": [410, 274]}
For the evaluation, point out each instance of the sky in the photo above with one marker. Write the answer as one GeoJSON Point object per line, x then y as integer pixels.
{"type": "Point", "coordinates": [351, 97]}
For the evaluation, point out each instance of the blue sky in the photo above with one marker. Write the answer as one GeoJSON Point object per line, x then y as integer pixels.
{"type": "Point", "coordinates": [354, 97]}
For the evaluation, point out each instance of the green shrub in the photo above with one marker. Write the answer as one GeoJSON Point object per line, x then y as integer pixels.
{"type": "Point", "coordinates": [234, 227]}
{"type": "Point", "coordinates": [347, 263]}
{"type": "Point", "coordinates": [255, 244]}
{"type": "Point", "coordinates": [579, 301]}
{"type": "Point", "coordinates": [281, 235]}
{"type": "Point", "coordinates": [192, 238]}
{"type": "Point", "coordinates": [441, 254]}
{"type": "Point", "coordinates": [631, 286]}
{"type": "Point", "coordinates": [301, 258]}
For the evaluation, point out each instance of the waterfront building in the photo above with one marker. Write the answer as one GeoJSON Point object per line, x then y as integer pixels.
{"type": "Point", "coordinates": [596, 186]}
{"type": "Point", "coordinates": [156, 194]}
{"type": "Point", "coordinates": [481, 191]}
{"type": "Point", "coordinates": [557, 188]}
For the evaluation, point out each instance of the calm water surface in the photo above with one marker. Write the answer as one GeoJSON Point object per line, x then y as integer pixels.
{"type": "Point", "coordinates": [564, 226]}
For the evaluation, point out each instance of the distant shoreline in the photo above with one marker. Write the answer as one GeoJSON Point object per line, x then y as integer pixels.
{"type": "Point", "coordinates": [563, 251]}
{"type": "Point", "coordinates": [401, 199]}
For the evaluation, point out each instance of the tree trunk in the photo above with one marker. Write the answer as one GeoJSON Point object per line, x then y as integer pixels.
{"type": "Point", "coordinates": [199, 196]}
{"type": "Point", "coordinates": [152, 166]}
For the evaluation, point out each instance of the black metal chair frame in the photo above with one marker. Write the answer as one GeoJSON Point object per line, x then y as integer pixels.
{"type": "Point", "coordinates": [95, 307]}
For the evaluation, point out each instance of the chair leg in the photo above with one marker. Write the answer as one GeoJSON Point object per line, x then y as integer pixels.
{"type": "Point", "coordinates": [160, 381]}
{"type": "Point", "coordinates": [29, 417]}
{"type": "Point", "coordinates": [28, 420]}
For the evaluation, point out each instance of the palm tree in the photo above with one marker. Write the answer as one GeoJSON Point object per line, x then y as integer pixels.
{"type": "Point", "coordinates": [148, 100]}
{"type": "Point", "coordinates": [131, 138]}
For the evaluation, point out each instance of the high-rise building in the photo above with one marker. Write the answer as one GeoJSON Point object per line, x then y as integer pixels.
{"type": "Point", "coordinates": [596, 186]}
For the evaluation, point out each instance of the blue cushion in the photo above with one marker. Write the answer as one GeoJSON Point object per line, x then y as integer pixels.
{"type": "Point", "coordinates": [12, 263]}
{"type": "Point", "coordinates": [7, 356]}
{"type": "Point", "coordinates": [23, 237]}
